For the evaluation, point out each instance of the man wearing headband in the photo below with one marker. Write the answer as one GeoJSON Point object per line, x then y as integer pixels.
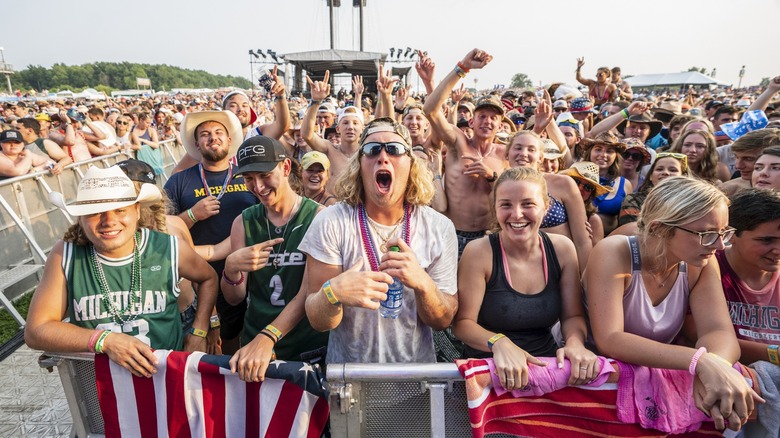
{"type": "Point", "coordinates": [471, 165]}
{"type": "Point", "coordinates": [208, 198]}
{"type": "Point", "coordinates": [349, 127]}
{"type": "Point", "coordinates": [116, 280]}
{"type": "Point", "coordinates": [351, 260]}
{"type": "Point", "coordinates": [266, 268]}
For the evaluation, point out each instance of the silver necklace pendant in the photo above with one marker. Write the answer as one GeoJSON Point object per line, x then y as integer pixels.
{"type": "Point", "coordinates": [278, 230]}
{"type": "Point", "coordinates": [383, 247]}
{"type": "Point", "coordinates": [276, 262]}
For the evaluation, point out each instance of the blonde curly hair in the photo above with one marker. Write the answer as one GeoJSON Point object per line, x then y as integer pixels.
{"type": "Point", "coordinates": [419, 186]}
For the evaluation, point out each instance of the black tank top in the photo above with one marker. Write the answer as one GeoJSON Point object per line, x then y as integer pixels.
{"type": "Point", "coordinates": [525, 319]}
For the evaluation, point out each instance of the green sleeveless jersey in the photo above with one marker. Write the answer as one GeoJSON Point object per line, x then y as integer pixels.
{"type": "Point", "coordinates": [158, 323]}
{"type": "Point", "coordinates": [270, 289]}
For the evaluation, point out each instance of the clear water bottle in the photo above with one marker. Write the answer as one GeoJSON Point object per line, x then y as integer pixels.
{"type": "Point", "coordinates": [391, 307]}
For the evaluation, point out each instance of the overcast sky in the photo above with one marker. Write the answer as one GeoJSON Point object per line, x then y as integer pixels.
{"type": "Point", "coordinates": [541, 39]}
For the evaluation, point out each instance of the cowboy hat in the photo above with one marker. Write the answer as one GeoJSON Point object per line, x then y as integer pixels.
{"type": "Point", "coordinates": [104, 190]}
{"type": "Point", "coordinates": [193, 120]}
{"type": "Point", "coordinates": [605, 138]}
{"type": "Point", "coordinates": [588, 172]}
{"type": "Point", "coordinates": [671, 107]}
{"type": "Point", "coordinates": [655, 125]}
{"type": "Point", "coordinates": [633, 143]}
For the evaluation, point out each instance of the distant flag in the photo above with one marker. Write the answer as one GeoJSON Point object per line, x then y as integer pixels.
{"type": "Point", "coordinates": [194, 395]}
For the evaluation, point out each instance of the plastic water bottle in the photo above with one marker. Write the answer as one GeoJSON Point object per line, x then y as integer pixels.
{"type": "Point", "coordinates": [391, 307]}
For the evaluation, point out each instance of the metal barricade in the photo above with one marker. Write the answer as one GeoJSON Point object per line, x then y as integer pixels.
{"type": "Point", "coordinates": [77, 373]}
{"type": "Point", "coordinates": [397, 400]}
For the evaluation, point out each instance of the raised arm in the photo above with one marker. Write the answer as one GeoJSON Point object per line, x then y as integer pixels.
{"type": "Point", "coordinates": [580, 79]}
{"type": "Point", "coordinates": [762, 101]}
{"type": "Point", "coordinates": [319, 91]}
{"type": "Point", "coordinates": [281, 121]}
{"type": "Point", "coordinates": [474, 59]}
{"type": "Point", "coordinates": [614, 120]}
{"type": "Point", "coordinates": [384, 91]}
{"type": "Point", "coordinates": [425, 70]}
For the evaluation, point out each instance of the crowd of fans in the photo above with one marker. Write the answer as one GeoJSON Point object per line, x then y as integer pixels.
{"type": "Point", "coordinates": [549, 222]}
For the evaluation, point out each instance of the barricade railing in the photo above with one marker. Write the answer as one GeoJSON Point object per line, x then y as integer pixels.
{"type": "Point", "coordinates": [367, 400]}
{"type": "Point", "coordinates": [30, 225]}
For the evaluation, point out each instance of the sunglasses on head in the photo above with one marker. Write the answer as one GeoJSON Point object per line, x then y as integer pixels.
{"type": "Point", "coordinates": [393, 148]}
{"type": "Point", "coordinates": [672, 155]}
{"type": "Point", "coordinates": [636, 156]}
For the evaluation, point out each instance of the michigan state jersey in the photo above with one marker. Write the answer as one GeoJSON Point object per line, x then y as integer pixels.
{"type": "Point", "coordinates": [157, 322]}
{"type": "Point", "coordinates": [270, 289]}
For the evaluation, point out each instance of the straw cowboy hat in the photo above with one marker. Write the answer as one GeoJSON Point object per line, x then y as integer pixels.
{"type": "Point", "coordinates": [225, 118]}
{"type": "Point", "coordinates": [588, 172]}
{"type": "Point", "coordinates": [104, 190]}
{"type": "Point", "coordinates": [671, 107]}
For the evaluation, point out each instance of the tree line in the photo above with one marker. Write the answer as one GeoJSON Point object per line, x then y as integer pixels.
{"type": "Point", "coordinates": [108, 76]}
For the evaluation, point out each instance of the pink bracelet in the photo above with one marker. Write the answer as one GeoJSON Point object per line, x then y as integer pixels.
{"type": "Point", "coordinates": [695, 360]}
{"type": "Point", "coordinates": [93, 340]}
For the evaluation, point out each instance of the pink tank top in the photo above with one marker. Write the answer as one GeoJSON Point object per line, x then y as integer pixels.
{"type": "Point", "coordinates": [660, 323]}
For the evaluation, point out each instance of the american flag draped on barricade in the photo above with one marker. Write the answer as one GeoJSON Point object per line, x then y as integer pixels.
{"type": "Point", "coordinates": [617, 404]}
{"type": "Point", "coordinates": [194, 395]}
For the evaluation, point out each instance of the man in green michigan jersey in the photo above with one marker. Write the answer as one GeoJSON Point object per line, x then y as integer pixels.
{"type": "Point", "coordinates": [116, 280]}
{"type": "Point", "coordinates": [265, 266]}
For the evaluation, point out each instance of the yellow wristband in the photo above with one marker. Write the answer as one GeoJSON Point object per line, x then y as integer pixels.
{"type": "Point", "coordinates": [329, 294]}
{"type": "Point", "coordinates": [494, 339]}
{"type": "Point", "coordinates": [774, 357]}
{"type": "Point", "coordinates": [275, 331]}
{"type": "Point", "coordinates": [214, 321]}
{"type": "Point", "coordinates": [198, 332]}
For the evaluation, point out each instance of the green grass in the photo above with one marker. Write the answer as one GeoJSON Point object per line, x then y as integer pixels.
{"type": "Point", "coordinates": [8, 325]}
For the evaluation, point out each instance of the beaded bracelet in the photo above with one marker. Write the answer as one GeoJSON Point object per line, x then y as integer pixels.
{"type": "Point", "coordinates": [191, 215]}
{"type": "Point", "coordinates": [231, 282]}
{"type": "Point", "coordinates": [93, 340]}
{"type": "Point", "coordinates": [695, 360]}
{"type": "Point", "coordinates": [329, 294]}
{"type": "Point", "coordinates": [494, 339]}
{"type": "Point", "coordinates": [275, 331]}
{"type": "Point", "coordinates": [100, 341]}
{"type": "Point", "coordinates": [774, 357]}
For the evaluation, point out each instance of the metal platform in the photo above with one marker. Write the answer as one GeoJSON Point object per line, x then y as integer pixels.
{"type": "Point", "coordinates": [32, 402]}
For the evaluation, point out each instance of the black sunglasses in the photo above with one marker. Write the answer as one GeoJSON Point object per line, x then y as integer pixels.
{"type": "Point", "coordinates": [588, 187]}
{"type": "Point", "coordinates": [119, 122]}
{"type": "Point", "coordinates": [393, 148]}
{"type": "Point", "coordinates": [636, 156]}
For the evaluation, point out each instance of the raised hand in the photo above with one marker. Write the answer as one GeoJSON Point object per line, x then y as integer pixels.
{"type": "Point", "coordinates": [278, 88]}
{"type": "Point", "coordinates": [357, 85]}
{"type": "Point", "coordinates": [385, 82]}
{"type": "Point", "coordinates": [580, 62]}
{"type": "Point", "coordinates": [424, 66]}
{"type": "Point", "coordinates": [319, 89]}
{"type": "Point", "coordinates": [457, 94]}
{"type": "Point", "coordinates": [476, 59]}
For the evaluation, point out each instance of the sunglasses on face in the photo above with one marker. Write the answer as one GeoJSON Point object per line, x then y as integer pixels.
{"type": "Point", "coordinates": [120, 122]}
{"type": "Point", "coordinates": [636, 156]}
{"type": "Point", "coordinates": [588, 187]}
{"type": "Point", "coordinates": [392, 148]}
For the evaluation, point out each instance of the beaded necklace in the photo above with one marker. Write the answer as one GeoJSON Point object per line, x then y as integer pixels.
{"type": "Point", "coordinates": [368, 242]}
{"type": "Point", "coordinates": [135, 280]}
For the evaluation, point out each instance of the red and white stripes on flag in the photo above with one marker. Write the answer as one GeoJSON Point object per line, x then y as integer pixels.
{"type": "Point", "coordinates": [195, 395]}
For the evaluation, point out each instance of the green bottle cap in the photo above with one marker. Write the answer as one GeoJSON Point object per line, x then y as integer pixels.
{"type": "Point", "coordinates": [395, 248]}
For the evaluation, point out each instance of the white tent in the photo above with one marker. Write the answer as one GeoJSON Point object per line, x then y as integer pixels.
{"type": "Point", "coordinates": [683, 78]}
